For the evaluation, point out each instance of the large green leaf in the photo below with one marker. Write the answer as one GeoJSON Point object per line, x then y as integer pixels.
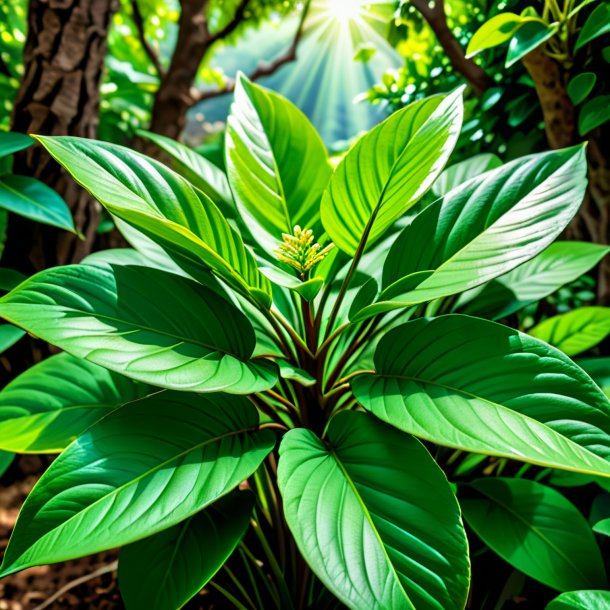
{"type": "Point", "coordinates": [484, 228]}
{"type": "Point", "coordinates": [580, 600]}
{"type": "Point", "coordinates": [144, 323]}
{"type": "Point", "coordinates": [35, 200]}
{"type": "Point", "coordinates": [485, 388]}
{"type": "Point", "coordinates": [374, 516]}
{"type": "Point", "coordinates": [145, 467]}
{"type": "Point", "coordinates": [164, 571]}
{"type": "Point", "coordinates": [576, 331]}
{"type": "Point", "coordinates": [389, 169]}
{"type": "Point", "coordinates": [162, 205]}
{"type": "Point", "coordinates": [561, 263]}
{"type": "Point", "coordinates": [597, 24]}
{"type": "Point", "coordinates": [277, 164]}
{"type": "Point", "coordinates": [196, 169]}
{"type": "Point", "coordinates": [495, 31]}
{"type": "Point", "coordinates": [50, 404]}
{"type": "Point", "coordinates": [12, 142]}
{"type": "Point", "coordinates": [536, 530]}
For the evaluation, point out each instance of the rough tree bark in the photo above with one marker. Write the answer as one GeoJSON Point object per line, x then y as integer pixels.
{"type": "Point", "coordinates": [59, 95]}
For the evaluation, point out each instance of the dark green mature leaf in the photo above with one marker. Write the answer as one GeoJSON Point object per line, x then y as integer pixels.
{"type": "Point", "coordinates": [485, 388]}
{"type": "Point", "coordinates": [580, 600]}
{"type": "Point", "coordinates": [12, 142]}
{"type": "Point", "coordinates": [9, 335]}
{"type": "Point", "coordinates": [580, 86]}
{"type": "Point", "coordinates": [374, 516]}
{"type": "Point", "coordinates": [576, 331]}
{"type": "Point", "coordinates": [277, 165]}
{"type": "Point", "coordinates": [535, 529]}
{"type": "Point", "coordinates": [140, 322]}
{"type": "Point", "coordinates": [196, 169]}
{"type": "Point", "coordinates": [599, 371]}
{"type": "Point", "coordinates": [529, 36]}
{"type": "Point", "coordinates": [45, 408]}
{"type": "Point", "coordinates": [9, 279]}
{"type": "Point", "coordinates": [164, 206]}
{"type": "Point", "coordinates": [35, 200]}
{"type": "Point", "coordinates": [145, 467]}
{"type": "Point", "coordinates": [483, 229]}
{"type": "Point", "coordinates": [597, 24]}
{"type": "Point", "coordinates": [164, 571]}
{"type": "Point", "coordinates": [593, 113]}
{"type": "Point", "coordinates": [389, 169]}
{"type": "Point", "coordinates": [561, 263]}
{"type": "Point", "coordinates": [6, 459]}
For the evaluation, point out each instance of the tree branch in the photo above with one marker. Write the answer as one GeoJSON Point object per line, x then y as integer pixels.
{"type": "Point", "coordinates": [230, 27]}
{"type": "Point", "coordinates": [263, 69]}
{"type": "Point", "coordinates": [437, 20]}
{"type": "Point", "coordinates": [150, 52]}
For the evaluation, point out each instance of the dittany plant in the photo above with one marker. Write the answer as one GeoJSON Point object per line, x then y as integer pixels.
{"type": "Point", "coordinates": [276, 377]}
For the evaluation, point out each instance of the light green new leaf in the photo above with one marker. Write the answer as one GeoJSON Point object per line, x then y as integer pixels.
{"type": "Point", "coordinates": [164, 206]}
{"type": "Point", "coordinates": [597, 24]}
{"type": "Point", "coordinates": [593, 113]}
{"type": "Point", "coordinates": [457, 174]}
{"type": "Point", "coordinates": [580, 600]}
{"type": "Point", "coordinates": [12, 142]}
{"type": "Point", "coordinates": [485, 388]}
{"type": "Point", "coordinates": [35, 200]}
{"type": "Point", "coordinates": [145, 467]}
{"type": "Point", "coordinates": [374, 516]}
{"type": "Point", "coordinates": [144, 323]}
{"type": "Point", "coordinates": [576, 331]}
{"type": "Point", "coordinates": [529, 36]}
{"type": "Point", "coordinates": [483, 229]}
{"type": "Point", "coordinates": [196, 169]}
{"type": "Point", "coordinates": [494, 32]}
{"type": "Point", "coordinates": [389, 169]}
{"type": "Point", "coordinates": [535, 529]}
{"type": "Point", "coordinates": [45, 408]}
{"type": "Point", "coordinates": [277, 165]}
{"type": "Point", "coordinates": [559, 264]}
{"type": "Point", "coordinates": [166, 570]}
{"type": "Point", "coordinates": [580, 86]}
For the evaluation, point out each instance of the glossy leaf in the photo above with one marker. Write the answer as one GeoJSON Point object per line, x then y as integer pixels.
{"type": "Point", "coordinates": [513, 213]}
{"type": "Point", "coordinates": [559, 264]}
{"type": "Point", "coordinates": [593, 113]}
{"type": "Point", "coordinates": [374, 516]}
{"type": "Point", "coordinates": [35, 200]}
{"type": "Point", "coordinates": [9, 335]}
{"type": "Point", "coordinates": [196, 169]}
{"type": "Point", "coordinates": [580, 86]}
{"type": "Point", "coordinates": [142, 469]}
{"type": "Point", "coordinates": [389, 169]}
{"type": "Point", "coordinates": [12, 142]}
{"type": "Point", "coordinates": [277, 164]}
{"type": "Point", "coordinates": [457, 174]}
{"type": "Point", "coordinates": [139, 322]}
{"type": "Point", "coordinates": [166, 570]}
{"type": "Point", "coordinates": [164, 206]}
{"type": "Point", "coordinates": [597, 24]}
{"type": "Point", "coordinates": [580, 600]}
{"type": "Point", "coordinates": [485, 388]}
{"type": "Point", "coordinates": [495, 31]}
{"type": "Point", "coordinates": [576, 331]}
{"type": "Point", "coordinates": [602, 527]}
{"type": "Point", "coordinates": [45, 408]}
{"type": "Point", "coordinates": [535, 529]}
{"type": "Point", "coordinates": [529, 36]}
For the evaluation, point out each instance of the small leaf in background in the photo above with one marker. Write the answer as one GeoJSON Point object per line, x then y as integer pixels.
{"type": "Point", "coordinates": [581, 600]}
{"type": "Point", "coordinates": [6, 459]}
{"type": "Point", "coordinates": [597, 24]}
{"type": "Point", "coordinates": [494, 32]}
{"type": "Point", "coordinates": [535, 529]}
{"type": "Point", "coordinates": [529, 36]}
{"type": "Point", "coordinates": [457, 174]}
{"type": "Point", "coordinates": [580, 86]}
{"type": "Point", "coordinates": [12, 142]}
{"type": "Point", "coordinates": [9, 335]}
{"type": "Point", "coordinates": [166, 570]}
{"type": "Point", "coordinates": [35, 200]}
{"type": "Point", "coordinates": [576, 331]}
{"type": "Point", "coordinates": [593, 113]}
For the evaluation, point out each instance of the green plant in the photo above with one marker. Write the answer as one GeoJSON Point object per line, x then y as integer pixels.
{"type": "Point", "coordinates": [267, 408]}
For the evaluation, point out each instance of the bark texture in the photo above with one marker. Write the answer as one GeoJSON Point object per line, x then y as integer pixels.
{"type": "Point", "coordinates": [59, 95]}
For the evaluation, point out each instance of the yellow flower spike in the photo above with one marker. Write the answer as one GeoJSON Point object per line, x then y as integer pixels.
{"type": "Point", "coordinates": [299, 250]}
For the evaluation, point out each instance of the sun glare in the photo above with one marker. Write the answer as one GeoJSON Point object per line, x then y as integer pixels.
{"type": "Point", "coordinates": [344, 10]}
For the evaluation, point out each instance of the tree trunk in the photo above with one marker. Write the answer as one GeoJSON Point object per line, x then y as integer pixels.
{"type": "Point", "coordinates": [59, 95]}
